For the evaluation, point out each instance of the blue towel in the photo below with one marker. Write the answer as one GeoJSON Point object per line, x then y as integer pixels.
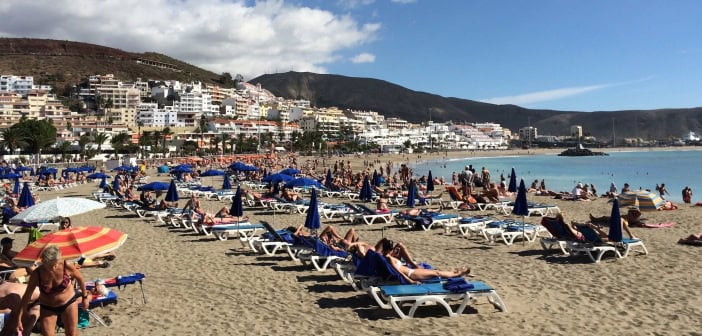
{"type": "Point", "coordinates": [457, 285]}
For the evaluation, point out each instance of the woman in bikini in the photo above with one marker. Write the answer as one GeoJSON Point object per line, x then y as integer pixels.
{"type": "Point", "coordinates": [416, 275]}
{"type": "Point", "coordinates": [57, 295]}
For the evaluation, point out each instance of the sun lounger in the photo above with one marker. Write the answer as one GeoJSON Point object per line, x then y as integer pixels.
{"type": "Point", "coordinates": [273, 241]}
{"type": "Point", "coordinates": [428, 220]}
{"type": "Point", "coordinates": [593, 245]}
{"type": "Point", "coordinates": [321, 255]}
{"type": "Point", "coordinates": [560, 236]}
{"type": "Point", "coordinates": [468, 226]}
{"type": "Point", "coordinates": [245, 231]}
{"type": "Point", "coordinates": [509, 231]}
{"type": "Point", "coordinates": [369, 216]}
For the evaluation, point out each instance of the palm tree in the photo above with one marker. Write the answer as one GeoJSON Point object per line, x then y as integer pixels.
{"type": "Point", "coordinates": [100, 139]}
{"type": "Point", "coordinates": [65, 147]}
{"type": "Point", "coordinates": [215, 141]}
{"type": "Point", "coordinates": [225, 139]}
{"type": "Point", "coordinates": [166, 132]}
{"type": "Point", "coordinates": [156, 140]}
{"type": "Point", "coordinates": [118, 141]}
{"type": "Point", "coordinates": [12, 139]}
{"type": "Point", "coordinates": [140, 124]}
{"type": "Point", "coordinates": [232, 144]}
{"type": "Point", "coordinates": [82, 142]}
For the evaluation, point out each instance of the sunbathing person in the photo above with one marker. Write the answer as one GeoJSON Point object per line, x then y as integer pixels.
{"type": "Point", "coordinates": [417, 211]}
{"type": "Point", "coordinates": [288, 195]}
{"type": "Point", "coordinates": [329, 236]}
{"type": "Point", "coordinates": [381, 205]}
{"type": "Point", "coordinates": [693, 239]}
{"type": "Point", "coordinates": [10, 299]}
{"type": "Point", "coordinates": [399, 250]}
{"type": "Point", "coordinates": [632, 217]}
{"type": "Point", "coordinates": [491, 193]}
{"type": "Point", "coordinates": [416, 275]}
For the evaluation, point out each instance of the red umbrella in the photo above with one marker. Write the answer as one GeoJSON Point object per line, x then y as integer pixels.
{"type": "Point", "coordinates": [73, 243]}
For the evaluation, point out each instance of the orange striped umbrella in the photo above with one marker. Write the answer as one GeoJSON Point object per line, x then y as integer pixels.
{"type": "Point", "coordinates": [73, 243]}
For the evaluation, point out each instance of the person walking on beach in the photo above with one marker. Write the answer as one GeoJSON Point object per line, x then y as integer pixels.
{"type": "Point", "coordinates": [687, 195]}
{"type": "Point", "coordinates": [485, 178]}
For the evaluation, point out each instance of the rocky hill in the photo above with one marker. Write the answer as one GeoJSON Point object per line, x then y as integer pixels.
{"type": "Point", "coordinates": [61, 63]}
{"type": "Point", "coordinates": [396, 101]}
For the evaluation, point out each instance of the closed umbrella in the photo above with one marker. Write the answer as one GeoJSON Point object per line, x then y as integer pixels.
{"type": "Point", "coordinates": [411, 194]}
{"type": "Point", "coordinates": [237, 208]}
{"type": "Point", "coordinates": [512, 182]}
{"type": "Point", "coordinates": [312, 221]}
{"type": "Point", "coordinates": [103, 183]}
{"type": "Point", "coordinates": [55, 208]}
{"type": "Point", "coordinates": [521, 207]}
{"type": "Point", "coordinates": [115, 184]}
{"type": "Point", "coordinates": [366, 193]}
{"type": "Point", "coordinates": [374, 179]}
{"type": "Point", "coordinates": [328, 179]}
{"type": "Point", "coordinates": [172, 194]}
{"type": "Point", "coordinates": [16, 189]}
{"type": "Point", "coordinates": [615, 223]}
{"type": "Point", "coordinates": [430, 183]}
{"type": "Point", "coordinates": [226, 184]}
{"type": "Point", "coordinates": [73, 243]}
{"type": "Point", "coordinates": [25, 199]}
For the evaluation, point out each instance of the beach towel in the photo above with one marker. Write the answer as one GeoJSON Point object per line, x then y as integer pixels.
{"type": "Point", "coordinates": [457, 285]}
{"type": "Point", "coordinates": [658, 225]}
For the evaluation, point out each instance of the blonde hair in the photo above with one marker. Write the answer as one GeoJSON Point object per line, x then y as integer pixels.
{"type": "Point", "coordinates": [50, 254]}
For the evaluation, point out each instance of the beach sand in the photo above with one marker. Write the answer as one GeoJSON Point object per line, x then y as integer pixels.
{"type": "Point", "coordinates": [196, 285]}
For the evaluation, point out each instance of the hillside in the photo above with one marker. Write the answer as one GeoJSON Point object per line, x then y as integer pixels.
{"type": "Point", "coordinates": [59, 63]}
{"type": "Point", "coordinates": [396, 101]}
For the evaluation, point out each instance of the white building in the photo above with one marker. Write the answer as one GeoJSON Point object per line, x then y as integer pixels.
{"type": "Point", "coordinates": [151, 116]}
{"type": "Point", "coordinates": [17, 84]}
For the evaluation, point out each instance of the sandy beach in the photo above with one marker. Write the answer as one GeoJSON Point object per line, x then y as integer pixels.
{"type": "Point", "coordinates": [198, 285]}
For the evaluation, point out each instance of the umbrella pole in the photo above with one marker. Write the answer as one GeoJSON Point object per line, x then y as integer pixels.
{"type": "Point", "coordinates": [524, 230]}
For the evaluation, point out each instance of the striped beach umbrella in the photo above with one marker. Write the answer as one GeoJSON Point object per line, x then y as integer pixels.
{"type": "Point", "coordinates": [645, 200]}
{"type": "Point", "coordinates": [73, 243]}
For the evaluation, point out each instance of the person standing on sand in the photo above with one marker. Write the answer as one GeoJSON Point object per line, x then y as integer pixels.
{"type": "Point", "coordinates": [663, 191]}
{"type": "Point", "coordinates": [687, 195]}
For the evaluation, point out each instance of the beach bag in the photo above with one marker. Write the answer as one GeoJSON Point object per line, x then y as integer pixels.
{"type": "Point", "coordinates": [83, 319]}
{"type": "Point", "coordinates": [34, 235]}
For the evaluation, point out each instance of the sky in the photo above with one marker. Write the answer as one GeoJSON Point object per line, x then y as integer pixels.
{"type": "Point", "coordinates": [595, 55]}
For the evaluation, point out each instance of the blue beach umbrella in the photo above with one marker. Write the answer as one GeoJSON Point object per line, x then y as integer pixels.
{"type": "Point", "coordinates": [411, 194]}
{"type": "Point", "coordinates": [213, 172]}
{"type": "Point", "coordinates": [512, 182]}
{"type": "Point", "coordinates": [312, 221]}
{"type": "Point", "coordinates": [615, 223]}
{"type": "Point", "coordinates": [16, 188]}
{"type": "Point", "coordinates": [277, 178]}
{"type": "Point", "coordinates": [226, 184]}
{"type": "Point", "coordinates": [521, 206]}
{"type": "Point", "coordinates": [11, 175]}
{"type": "Point", "coordinates": [303, 182]}
{"type": "Point", "coordinates": [25, 200]}
{"type": "Point", "coordinates": [98, 176]}
{"type": "Point", "coordinates": [366, 193]}
{"type": "Point", "coordinates": [86, 169]}
{"type": "Point", "coordinates": [237, 166]}
{"type": "Point", "coordinates": [23, 169]}
{"type": "Point", "coordinates": [289, 171]}
{"type": "Point", "coordinates": [172, 194]}
{"type": "Point", "coordinates": [103, 183]}
{"type": "Point", "coordinates": [154, 186]}
{"type": "Point", "coordinates": [328, 179]}
{"type": "Point", "coordinates": [430, 182]}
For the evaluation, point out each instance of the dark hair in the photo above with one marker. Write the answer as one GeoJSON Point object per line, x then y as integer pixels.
{"type": "Point", "coordinates": [292, 229]}
{"type": "Point", "coordinates": [387, 245]}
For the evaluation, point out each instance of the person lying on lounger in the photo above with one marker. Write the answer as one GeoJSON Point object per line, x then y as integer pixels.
{"type": "Point", "coordinates": [399, 250]}
{"type": "Point", "coordinates": [329, 236]}
{"type": "Point", "coordinates": [416, 275]}
{"type": "Point", "coordinates": [418, 211]}
{"type": "Point", "coordinates": [632, 217]}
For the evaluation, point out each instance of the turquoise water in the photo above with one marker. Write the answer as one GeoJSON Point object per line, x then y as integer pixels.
{"type": "Point", "coordinates": [676, 169]}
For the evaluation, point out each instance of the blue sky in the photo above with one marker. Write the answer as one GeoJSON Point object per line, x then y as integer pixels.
{"type": "Point", "coordinates": [586, 55]}
{"type": "Point", "coordinates": [566, 55]}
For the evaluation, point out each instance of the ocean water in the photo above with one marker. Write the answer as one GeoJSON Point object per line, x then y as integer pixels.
{"type": "Point", "coordinates": [642, 170]}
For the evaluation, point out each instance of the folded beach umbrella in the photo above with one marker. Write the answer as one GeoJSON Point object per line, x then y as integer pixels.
{"type": "Point", "coordinates": [25, 199]}
{"type": "Point", "coordinates": [154, 186]}
{"type": "Point", "coordinates": [328, 179]}
{"type": "Point", "coordinates": [226, 183]}
{"type": "Point", "coordinates": [512, 182]}
{"type": "Point", "coordinates": [521, 206]}
{"type": "Point", "coordinates": [98, 176]}
{"type": "Point", "coordinates": [430, 182]}
{"type": "Point", "coordinates": [312, 221]}
{"type": "Point", "coordinates": [615, 223]}
{"type": "Point", "coordinates": [374, 179]}
{"type": "Point", "coordinates": [16, 189]}
{"type": "Point", "coordinates": [289, 171]}
{"type": "Point", "coordinates": [103, 183]}
{"type": "Point", "coordinates": [645, 200]}
{"type": "Point", "coordinates": [115, 183]}
{"type": "Point", "coordinates": [58, 207]}
{"type": "Point", "coordinates": [237, 208]}
{"type": "Point", "coordinates": [172, 194]}
{"type": "Point", "coordinates": [411, 194]}
{"type": "Point", "coordinates": [366, 193]}
{"type": "Point", "coordinates": [73, 243]}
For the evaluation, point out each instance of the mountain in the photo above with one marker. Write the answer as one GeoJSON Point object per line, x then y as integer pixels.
{"type": "Point", "coordinates": [393, 100]}
{"type": "Point", "coordinates": [61, 63]}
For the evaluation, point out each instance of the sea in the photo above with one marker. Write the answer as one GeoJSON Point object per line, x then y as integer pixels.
{"type": "Point", "coordinates": [641, 169]}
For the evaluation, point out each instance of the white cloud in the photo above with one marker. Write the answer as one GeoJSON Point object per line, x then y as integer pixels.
{"type": "Point", "coordinates": [549, 95]}
{"type": "Point", "coordinates": [220, 35]}
{"type": "Point", "coordinates": [403, 2]}
{"type": "Point", "coordinates": [351, 4]}
{"type": "Point", "coordinates": [363, 58]}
